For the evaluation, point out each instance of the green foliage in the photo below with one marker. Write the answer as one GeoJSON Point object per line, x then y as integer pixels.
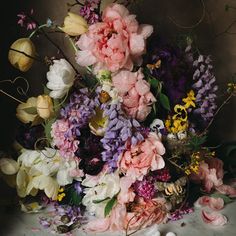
{"type": "Point", "coordinates": [46, 91]}
{"type": "Point", "coordinates": [224, 197]}
{"type": "Point", "coordinates": [47, 129]}
{"type": "Point", "coordinates": [31, 110]}
{"type": "Point", "coordinates": [195, 142]}
{"type": "Point", "coordinates": [164, 101]}
{"type": "Point", "coordinates": [110, 205]}
{"type": "Point", "coordinates": [101, 200]}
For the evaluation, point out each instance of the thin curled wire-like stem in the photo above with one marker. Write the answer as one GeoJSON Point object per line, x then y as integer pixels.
{"type": "Point", "coordinates": [194, 25]}
{"type": "Point", "coordinates": [36, 148]}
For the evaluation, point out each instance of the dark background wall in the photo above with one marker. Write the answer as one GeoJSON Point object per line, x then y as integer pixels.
{"type": "Point", "coordinates": [156, 12]}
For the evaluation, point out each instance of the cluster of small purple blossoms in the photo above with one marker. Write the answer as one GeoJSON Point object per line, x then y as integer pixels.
{"type": "Point", "coordinates": [25, 21]}
{"type": "Point", "coordinates": [79, 110]}
{"type": "Point", "coordinates": [90, 11]}
{"type": "Point", "coordinates": [205, 88]}
{"type": "Point", "coordinates": [178, 214]}
{"type": "Point", "coordinates": [119, 130]}
{"type": "Point", "coordinates": [145, 189]}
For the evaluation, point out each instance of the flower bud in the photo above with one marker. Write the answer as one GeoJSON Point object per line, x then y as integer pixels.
{"type": "Point", "coordinates": [74, 24]}
{"type": "Point", "coordinates": [44, 106]}
{"type": "Point", "coordinates": [8, 166]}
{"type": "Point", "coordinates": [27, 112]}
{"type": "Point", "coordinates": [18, 59]}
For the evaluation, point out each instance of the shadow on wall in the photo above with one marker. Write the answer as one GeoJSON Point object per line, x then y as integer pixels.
{"type": "Point", "coordinates": [157, 12]}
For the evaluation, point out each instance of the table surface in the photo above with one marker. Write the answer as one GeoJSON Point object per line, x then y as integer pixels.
{"type": "Point", "coordinates": [15, 223]}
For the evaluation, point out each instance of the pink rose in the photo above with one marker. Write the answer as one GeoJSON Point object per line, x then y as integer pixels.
{"type": "Point", "coordinates": [115, 43]}
{"type": "Point", "coordinates": [210, 175]}
{"type": "Point", "coordinates": [137, 160]}
{"type": "Point", "coordinates": [213, 203]}
{"type": "Point", "coordinates": [135, 93]}
{"type": "Point", "coordinates": [214, 218]}
{"type": "Point", "coordinates": [227, 190]}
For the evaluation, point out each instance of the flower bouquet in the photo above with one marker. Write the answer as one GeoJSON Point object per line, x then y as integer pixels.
{"type": "Point", "coordinates": [117, 141]}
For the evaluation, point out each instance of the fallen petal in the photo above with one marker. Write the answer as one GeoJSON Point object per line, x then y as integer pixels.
{"type": "Point", "coordinates": [214, 218]}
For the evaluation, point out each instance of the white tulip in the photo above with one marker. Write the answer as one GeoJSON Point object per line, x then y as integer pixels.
{"type": "Point", "coordinates": [60, 77]}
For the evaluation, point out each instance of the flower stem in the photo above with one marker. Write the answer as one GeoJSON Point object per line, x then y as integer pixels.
{"type": "Point", "coordinates": [10, 96]}
{"type": "Point", "coordinates": [36, 30]}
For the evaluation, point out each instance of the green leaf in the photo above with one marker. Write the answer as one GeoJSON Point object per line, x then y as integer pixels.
{"type": "Point", "coordinates": [46, 91]}
{"type": "Point", "coordinates": [153, 82]}
{"type": "Point", "coordinates": [47, 129]}
{"type": "Point", "coordinates": [196, 141]}
{"type": "Point", "coordinates": [164, 101]}
{"type": "Point", "coordinates": [101, 200]}
{"type": "Point", "coordinates": [109, 206]}
{"type": "Point", "coordinates": [224, 197]}
{"type": "Point", "coordinates": [75, 198]}
{"type": "Point", "coordinates": [31, 110]}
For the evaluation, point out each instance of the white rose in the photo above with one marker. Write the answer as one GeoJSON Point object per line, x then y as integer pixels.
{"type": "Point", "coordinates": [60, 77]}
{"type": "Point", "coordinates": [108, 187]}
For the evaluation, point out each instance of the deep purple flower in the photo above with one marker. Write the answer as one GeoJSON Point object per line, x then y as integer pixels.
{"type": "Point", "coordinates": [145, 189]}
{"type": "Point", "coordinates": [90, 11]}
{"type": "Point", "coordinates": [78, 188]}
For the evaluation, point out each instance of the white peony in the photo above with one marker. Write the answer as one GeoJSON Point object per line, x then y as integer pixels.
{"type": "Point", "coordinates": [60, 77]}
{"type": "Point", "coordinates": [107, 187]}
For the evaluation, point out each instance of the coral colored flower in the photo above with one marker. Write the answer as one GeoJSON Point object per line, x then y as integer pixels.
{"type": "Point", "coordinates": [135, 93]}
{"type": "Point", "coordinates": [137, 160]}
{"type": "Point", "coordinates": [146, 213]}
{"type": "Point", "coordinates": [115, 43]}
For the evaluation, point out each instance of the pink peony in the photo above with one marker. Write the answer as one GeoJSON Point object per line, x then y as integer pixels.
{"type": "Point", "coordinates": [213, 203]}
{"type": "Point", "coordinates": [210, 175]}
{"type": "Point", "coordinates": [145, 156]}
{"type": "Point", "coordinates": [214, 218]}
{"type": "Point", "coordinates": [135, 93]}
{"type": "Point", "coordinates": [66, 146]}
{"type": "Point", "coordinates": [146, 213]}
{"type": "Point", "coordinates": [115, 43]}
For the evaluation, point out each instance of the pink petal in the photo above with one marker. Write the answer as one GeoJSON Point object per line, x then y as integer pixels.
{"type": "Point", "coordinates": [213, 203]}
{"type": "Point", "coordinates": [227, 190]}
{"type": "Point", "coordinates": [137, 44]}
{"type": "Point", "coordinates": [98, 225]}
{"type": "Point", "coordinates": [145, 30]}
{"type": "Point", "coordinates": [85, 58]}
{"type": "Point", "coordinates": [213, 218]}
{"type": "Point", "coordinates": [142, 87]}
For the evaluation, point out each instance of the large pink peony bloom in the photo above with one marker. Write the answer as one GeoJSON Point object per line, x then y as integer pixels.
{"type": "Point", "coordinates": [115, 43]}
{"type": "Point", "coordinates": [145, 156]}
{"type": "Point", "coordinates": [135, 93]}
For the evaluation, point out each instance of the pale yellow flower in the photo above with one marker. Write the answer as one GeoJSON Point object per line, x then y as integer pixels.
{"type": "Point", "coordinates": [19, 60]}
{"type": "Point", "coordinates": [74, 25]}
{"type": "Point", "coordinates": [44, 106]}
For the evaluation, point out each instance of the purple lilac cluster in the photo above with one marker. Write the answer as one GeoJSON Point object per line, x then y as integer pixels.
{"type": "Point", "coordinates": [78, 111]}
{"type": "Point", "coordinates": [205, 88]}
{"type": "Point", "coordinates": [120, 130]}
{"type": "Point", "coordinates": [90, 11]}
{"type": "Point", "coordinates": [178, 214]}
{"type": "Point", "coordinates": [174, 70]}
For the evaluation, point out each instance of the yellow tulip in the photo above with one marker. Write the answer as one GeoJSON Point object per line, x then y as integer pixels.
{"type": "Point", "coordinates": [27, 112]}
{"type": "Point", "coordinates": [44, 106]}
{"type": "Point", "coordinates": [74, 25]}
{"type": "Point", "coordinates": [8, 166]}
{"type": "Point", "coordinates": [18, 59]}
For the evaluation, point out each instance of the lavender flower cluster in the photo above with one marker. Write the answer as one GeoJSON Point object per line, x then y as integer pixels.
{"type": "Point", "coordinates": [90, 11]}
{"type": "Point", "coordinates": [205, 88]}
{"type": "Point", "coordinates": [119, 130]}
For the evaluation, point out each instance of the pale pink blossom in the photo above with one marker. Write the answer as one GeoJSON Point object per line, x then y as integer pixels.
{"type": "Point", "coordinates": [115, 222]}
{"type": "Point", "coordinates": [137, 160]}
{"type": "Point", "coordinates": [126, 194]}
{"type": "Point", "coordinates": [67, 146]}
{"type": "Point", "coordinates": [227, 190]}
{"type": "Point", "coordinates": [210, 175]}
{"type": "Point", "coordinates": [135, 93]}
{"type": "Point", "coordinates": [211, 202]}
{"type": "Point", "coordinates": [214, 218]}
{"type": "Point", "coordinates": [146, 213]}
{"type": "Point", "coordinates": [115, 43]}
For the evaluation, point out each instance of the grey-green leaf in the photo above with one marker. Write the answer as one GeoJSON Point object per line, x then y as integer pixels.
{"type": "Point", "coordinates": [164, 101]}
{"type": "Point", "coordinates": [109, 206]}
{"type": "Point", "coordinates": [31, 110]}
{"type": "Point", "coordinates": [224, 197]}
{"type": "Point", "coordinates": [100, 200]}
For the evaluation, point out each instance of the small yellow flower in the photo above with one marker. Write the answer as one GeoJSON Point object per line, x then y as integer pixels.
{"type": "Point", "coordinates": [181, 113]}
{"type": "Point", "coordinates": [60, 194]}
{"type": "Point", "coordinates": [74, 25]}
{"type": "Point", "coordinates": [189, 100]}
{"type": "Point", "coordinates": [44, 106]}
{"type": "Point", "coordinates": [19, 60]}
